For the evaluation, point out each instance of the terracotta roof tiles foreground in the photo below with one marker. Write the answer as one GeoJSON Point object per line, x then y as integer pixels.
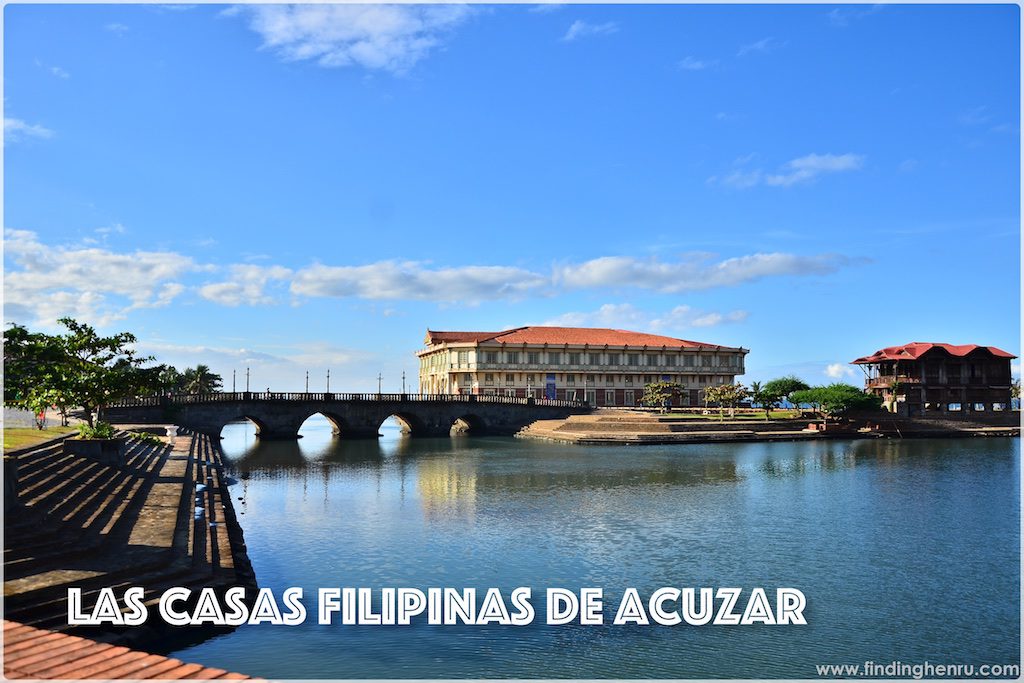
{"type": "Point", "coordinates": [574, 336]}
{"type": "Point", "coordinates": [37, 654]}
{"type": "Point", "coordinates": [915, 350]}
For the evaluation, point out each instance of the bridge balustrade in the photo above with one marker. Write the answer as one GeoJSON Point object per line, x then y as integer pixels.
{"type": "Point", "coordinates": [226, 397]}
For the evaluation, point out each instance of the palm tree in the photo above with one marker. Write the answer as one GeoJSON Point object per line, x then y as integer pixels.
{"type": "Point", "coordinates": [200, 380]}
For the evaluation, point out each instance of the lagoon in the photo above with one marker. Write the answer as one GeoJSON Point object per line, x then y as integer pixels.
{"type": "Point", "coordinates": [905, 550]}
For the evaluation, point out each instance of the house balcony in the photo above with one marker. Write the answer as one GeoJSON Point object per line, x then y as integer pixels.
{"type": "Point", "coordinates": [886, 381]}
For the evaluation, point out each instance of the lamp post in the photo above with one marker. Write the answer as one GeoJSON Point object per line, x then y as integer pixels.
{"type": "Point", "coordinates": [380, 378]}
{"type": "Point", "coordinates": [232, 381]}
{"type": "Point", "coordinates": [307, 381]}
{"type": "Point", "coordinates": [247, 379]}
{"type": "Point", "coordinates": [328, 380]}
{"type": "Point", "coordinates": [403, 381]}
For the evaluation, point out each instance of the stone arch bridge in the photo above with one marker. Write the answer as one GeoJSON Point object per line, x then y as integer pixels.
{"type": "Point", "coordinates": [280, 415]}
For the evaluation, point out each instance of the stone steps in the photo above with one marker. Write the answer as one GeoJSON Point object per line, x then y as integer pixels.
{"type": "Point", "coordinates": [91, 526]}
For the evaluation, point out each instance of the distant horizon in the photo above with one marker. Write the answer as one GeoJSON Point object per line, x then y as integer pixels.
{"type": "Point", "coordinates": [297, 188]}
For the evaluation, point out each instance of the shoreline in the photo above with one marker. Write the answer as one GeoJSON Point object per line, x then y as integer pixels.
{"type": "Point", "coordinates": [639, 429]}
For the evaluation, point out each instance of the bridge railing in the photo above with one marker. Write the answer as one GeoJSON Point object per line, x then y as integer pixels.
{"type": "Point", "coordinates": [324, 397]}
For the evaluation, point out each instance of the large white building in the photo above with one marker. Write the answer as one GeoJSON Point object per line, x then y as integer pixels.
{"type": "Point", "coordinates": [605, 367]}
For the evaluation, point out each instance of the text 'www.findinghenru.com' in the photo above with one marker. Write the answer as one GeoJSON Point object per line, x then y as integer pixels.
{"type": "Point", "coordinates": [926, 669]}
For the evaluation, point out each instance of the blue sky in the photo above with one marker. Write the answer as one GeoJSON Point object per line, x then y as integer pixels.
{"type": "Point", "coordinates": [304, 187]}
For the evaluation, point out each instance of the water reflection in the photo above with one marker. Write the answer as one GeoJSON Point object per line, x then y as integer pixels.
{"type": "Point", "coordinates": [931, 526]}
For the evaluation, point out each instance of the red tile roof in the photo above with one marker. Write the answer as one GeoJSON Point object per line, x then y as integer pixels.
{"type": "Point", "coordinates": [915, 350]}
{"type": "Point", "coordinates": [574, 336]}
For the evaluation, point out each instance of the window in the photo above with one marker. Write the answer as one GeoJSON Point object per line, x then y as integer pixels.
{"type": "Point", "coordinates": [954, 407]}
{"type": "Point", "coordinates": [998, 406]}
{"type": "Point", "coordinates": [488, 378]}
{"type": "Point", "coordinates": [570, 379]}
{"type": "Point", "coordinates": [533, 357]}
{"type": "Point", "coordinates": [629, 380]}
{"type": "Point", "coordinates": [574, 359]}
{"type": "Point", "coordinates": [670, 361]}
{"type": "Point", "coordinates": [687, 361]}
{"type": "Point", "coordinates": [609, 398]}
{"type": "Point", "coordinates": [554, 358]}
{"type": "Point", "coordinates": [529, 379]}
{"type": "Point", "coordinates": [613, 359]}
{"type": "Point", "coordinates": [490, 356]}
{"type": "Point", "coordinates": [591, 379]}
{"type": "Point", "coordinates": [510, 392]}
{"type": "Point", "coordinates": [467, 378]}
{"type": "Point", "coordinates": [510, 379]}
{"type": "Point", "coordinates": [628, 400]}
{"type": "Point", "coordinates": [979, 407]}
{"type": "Point", "coordinates": [511, 356]}
{"type": "Point", "coordinates": [652, 360]}
{"type": "Point", "coordinates": [634, 359]}
{"type": "Point", "coordinates": [609, 380]}
{"type": "Point", "coordinates": [463, 357]}
{"type": "Point", "coordinates": [594, 359]}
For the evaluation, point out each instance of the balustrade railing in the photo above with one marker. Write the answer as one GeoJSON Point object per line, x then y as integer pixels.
{"type": "Point", "coordinates": [321, 397]}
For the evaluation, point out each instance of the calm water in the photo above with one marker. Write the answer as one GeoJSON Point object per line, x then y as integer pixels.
{"type": "Point", "coordinates": [906, 550]}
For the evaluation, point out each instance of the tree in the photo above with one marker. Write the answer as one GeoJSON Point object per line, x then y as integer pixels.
{"type": "Point", "coordinates": [656, 394]}
{"type": "Point", "coordinates": [784, 387]}
{"type": "Point", "coordinates": [200, 380]}
{"type": "Point", "coordinates": [35, 373]}
{"type": "Point", "coordinates": [1015, 389]}
{"type": "Point", "coordinates": [100, 370]}
{"type": "Point", "coordinates": [835, 399]}
{"type": "Point", "coordinates": [725, 395]}
{"type": "Point", "coordinates": [768, 400]}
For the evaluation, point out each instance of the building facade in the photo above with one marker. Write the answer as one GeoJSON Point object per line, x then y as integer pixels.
{"type": "Point", "coordinates": [939, 379]}
{"type": "Point", "coordinates": [604, 367]}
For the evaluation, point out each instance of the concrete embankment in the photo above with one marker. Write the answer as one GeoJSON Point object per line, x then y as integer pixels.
{"type": "Point", "coordinates": [618, 427]}
{"type": "Point", "coordinates": [82, 524]}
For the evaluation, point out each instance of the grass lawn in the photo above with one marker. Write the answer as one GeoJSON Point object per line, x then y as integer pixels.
{"type": "Point", "coordinates": [20, 437]}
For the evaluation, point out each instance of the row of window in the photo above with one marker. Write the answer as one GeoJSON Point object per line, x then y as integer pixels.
{"type": "Point", "coordinates": [570, 379]}
{"type": "Point", "coordinates": [558, 358]}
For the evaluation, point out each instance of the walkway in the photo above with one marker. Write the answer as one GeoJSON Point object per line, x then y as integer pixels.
{"type": "Point", "coordinates": [40, 654]}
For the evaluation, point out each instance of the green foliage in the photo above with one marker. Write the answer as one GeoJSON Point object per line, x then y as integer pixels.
{"type": "Point", "coordinates": [656, 393]}
{"type": "Point", "coordinates": [836, 398]}
{"type": "Point", "coordinates": [78, 368]}
{"type": "Point", "coordinates": [1015, 389]}
{"type": "Point", "coordinates": [765, 397]}
{"type": "Point", "coordinates": [784, 387]}
{"type": "Point", "coordinates": [146, 437]}
{"type": "Point", "coordinates": [200, 380]}
{"type": "Point", "coordinates": [101, 430]}
{"type": "Point", "coordinates": [726, 395]}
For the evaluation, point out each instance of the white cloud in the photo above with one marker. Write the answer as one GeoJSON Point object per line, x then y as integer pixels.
{"type": "Point", "coordinates": [582, 29]}
{"type": "Point", "coordinates": [803, 169]}
{"type": "Point", "coordinates": [693, 64]}
{"type": "Point", "coordinates": [59, 72]}
{"type": "Point", "coordinates": [280, 368]}
{"type": "Point", "coordinates": [764, 45]}
{"type": "Point", "coordinates": [16, 129]}
{"type": "Point", "coordinates": [89, 283]}
{"type": "Point", "coordinates": [547, 8]}
{"type": "Point", "coordinates": [116, 28]}
{"type": "Point", "coordinates": [387, 37]}
{"type": "Point", "coordinates": [245, 286]}
{"type": "Point", "coordinates": [839, 371]}
{"type": "Point", "coordinates": [414, 281]}
{"type": "Point", "coordinates": [628, 316]}
{"type": "Point", "coordinates": [844, 16]}
{"type": "Point", "coordinates": [694, 271]}
{"type": "Point", "coordinates": [811, 166]}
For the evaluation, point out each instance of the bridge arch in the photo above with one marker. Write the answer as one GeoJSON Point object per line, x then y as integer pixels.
{"type": "Point", "coordinates": [468, 424]}
{"type": "Point", "coordinates": [255, 421]}
{"type": "Point", "coordinates": [339, 425]}
{"type": "Point", "coordinates": [408, 423]}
